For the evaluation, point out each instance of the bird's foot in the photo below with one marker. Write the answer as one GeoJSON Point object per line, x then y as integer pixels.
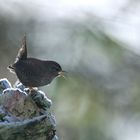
{"type": "Point", "coordinates": [31, 90]}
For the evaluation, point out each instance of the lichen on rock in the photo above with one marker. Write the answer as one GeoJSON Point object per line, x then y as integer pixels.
{"type": "Point", "coordinates": [20, 110]}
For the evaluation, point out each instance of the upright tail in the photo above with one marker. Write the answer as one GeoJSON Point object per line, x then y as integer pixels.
{"type": "Point", "coordinates": [22, 53]}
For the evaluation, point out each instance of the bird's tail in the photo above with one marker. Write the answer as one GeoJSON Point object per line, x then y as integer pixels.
{"type": "Point", "coordinates": [22, 53]}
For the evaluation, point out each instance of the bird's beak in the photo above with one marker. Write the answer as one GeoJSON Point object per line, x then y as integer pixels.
{"type": "Point", "coordinates": [62, 73]}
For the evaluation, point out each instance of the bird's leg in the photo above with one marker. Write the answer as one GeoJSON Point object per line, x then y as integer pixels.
{"type": "Point", "coordinates": [30, 90]}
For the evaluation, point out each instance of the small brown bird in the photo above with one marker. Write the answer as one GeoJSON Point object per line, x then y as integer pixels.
{"type": "Point", "coordinates": [33, 72]}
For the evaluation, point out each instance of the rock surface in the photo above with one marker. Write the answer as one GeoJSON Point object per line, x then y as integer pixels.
{"type": "Point", "coordinates": [25, 116]}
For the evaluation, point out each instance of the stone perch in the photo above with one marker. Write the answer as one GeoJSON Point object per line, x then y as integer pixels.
{"type": "Point", "coordinates": [25, 116]}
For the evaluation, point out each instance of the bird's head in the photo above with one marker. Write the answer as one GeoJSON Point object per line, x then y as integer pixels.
{"type": "Point", "coordinates": [56, 69]}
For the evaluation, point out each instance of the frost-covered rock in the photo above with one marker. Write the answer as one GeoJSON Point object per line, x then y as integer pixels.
{"type": "Point", "coordinates": [25, 114]}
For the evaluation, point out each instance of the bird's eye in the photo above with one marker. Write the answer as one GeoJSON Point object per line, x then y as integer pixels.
{"type": "Point", "coordinates": [53, 69]}
{"type": "Point", "coordinates": [56, 69]}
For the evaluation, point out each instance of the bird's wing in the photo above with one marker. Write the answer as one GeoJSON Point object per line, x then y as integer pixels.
{"type": "Point", "coordinates": [33, 67]}
{"type": "Point", "coordinates": [22, 53]}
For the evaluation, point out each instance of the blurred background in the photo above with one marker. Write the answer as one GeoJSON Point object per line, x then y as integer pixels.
{"type": "Point", "coordinates": [97, 43]}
